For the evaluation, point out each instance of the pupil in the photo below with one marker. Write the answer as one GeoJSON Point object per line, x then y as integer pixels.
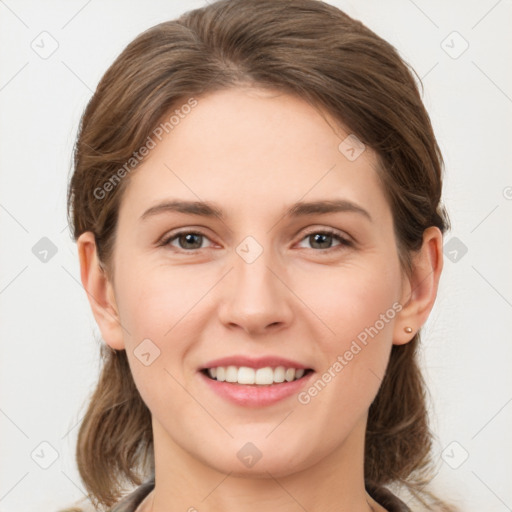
{"type": "Point", "coordinates": [189, 239]}
{"type": "Point", "coordinates": [326, 237]}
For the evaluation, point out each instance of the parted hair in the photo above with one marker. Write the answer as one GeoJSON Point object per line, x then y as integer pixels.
{"type": "Point", "coordinates": [317, 52]}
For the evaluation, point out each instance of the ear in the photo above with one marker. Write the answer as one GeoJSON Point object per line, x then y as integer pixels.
{"type": "Point", "coordinates": [420, 289]}
{"type": "Point", "coordinates": [100, 291]}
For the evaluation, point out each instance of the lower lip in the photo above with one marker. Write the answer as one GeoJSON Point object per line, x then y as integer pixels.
{"type": "Point", "coordinates": [253, 395]}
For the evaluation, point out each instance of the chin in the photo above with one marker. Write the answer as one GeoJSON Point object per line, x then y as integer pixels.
{"type": "Point", "coordinates": [249, 462]}
{"type": "Point", "coordinates": [260, 470]}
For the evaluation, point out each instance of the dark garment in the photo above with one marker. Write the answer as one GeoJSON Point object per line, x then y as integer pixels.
{"type": "Point", "coordinates": [387, 499]}
{"type": "Point", "coordinates": [381, 495]}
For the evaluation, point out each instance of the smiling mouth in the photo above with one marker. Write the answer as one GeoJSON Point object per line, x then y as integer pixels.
{"type": "Point", "coordinates": [247, 376]}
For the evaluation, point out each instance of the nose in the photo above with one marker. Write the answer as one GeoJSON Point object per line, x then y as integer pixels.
{"type": "Point", "coordinates": [255, 296]}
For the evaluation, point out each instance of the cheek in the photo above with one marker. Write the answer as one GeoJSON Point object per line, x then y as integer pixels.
{"type": "Point", "coordinates": [358, 305]}
{"type": "Point", "coordinates": [352, 298]}
{"type": "Point", "coordinates": [153, 301]}
{"type": "Point", "coordinates": [160, 311]}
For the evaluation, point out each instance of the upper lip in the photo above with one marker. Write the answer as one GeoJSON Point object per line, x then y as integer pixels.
{"type": "Point", "coordinates": [255, 362]}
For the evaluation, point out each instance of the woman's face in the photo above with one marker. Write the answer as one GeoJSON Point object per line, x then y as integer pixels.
{"type": "Point", "coordinates": [257, 283]}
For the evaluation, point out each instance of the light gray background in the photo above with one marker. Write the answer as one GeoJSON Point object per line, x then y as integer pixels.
{"type": "Point", "coordinates": [49, 357]}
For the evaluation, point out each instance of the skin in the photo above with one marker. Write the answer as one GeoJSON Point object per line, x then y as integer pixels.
{"type": "Point", "coordinates": [255, 152]}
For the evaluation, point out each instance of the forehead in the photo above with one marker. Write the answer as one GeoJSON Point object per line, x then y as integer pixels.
{"type": "Point", "coordinates": [250, 149]}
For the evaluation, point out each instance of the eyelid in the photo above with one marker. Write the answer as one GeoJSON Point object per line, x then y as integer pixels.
{"type": "Point", "coordinates": [172, 235]}
{"type": "Point", "coordinates": [344, 239]}
{"type": "Point", "coordinates": [330, 231]}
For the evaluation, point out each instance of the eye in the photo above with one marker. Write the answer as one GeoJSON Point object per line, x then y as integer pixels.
{"type": "Point", "coordinates": [322, 239]}
{"type": "Point", "coordinates": [187, 240]}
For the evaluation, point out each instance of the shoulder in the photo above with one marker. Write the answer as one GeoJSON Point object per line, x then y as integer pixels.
{"type": "Point", "coordinates": [130, 502]}
{"type": "Point", "coordinates": [386, 498]}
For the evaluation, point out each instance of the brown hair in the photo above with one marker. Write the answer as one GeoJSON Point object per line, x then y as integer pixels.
{"type": "Point", "coordinates": [303, 47]}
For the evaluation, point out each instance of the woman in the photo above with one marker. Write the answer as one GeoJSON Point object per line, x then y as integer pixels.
{"type": "Point", "coordinates": [256, 203]}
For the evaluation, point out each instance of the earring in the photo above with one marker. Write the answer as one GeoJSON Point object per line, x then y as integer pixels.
{"type": "Point", "coordinates": [408, 330]}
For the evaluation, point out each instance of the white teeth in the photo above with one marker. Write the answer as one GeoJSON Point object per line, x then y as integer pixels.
{"type": "Point", "coordinates": [264, 376]}
{"type": "Point", "coordinates": [279, 374]}
{"type": "Point", "coordinates": [231, 374]}
{"type": "Point", "coordinates": [246, 375]}
{"type": "Point", "coordinates": [261, 376]}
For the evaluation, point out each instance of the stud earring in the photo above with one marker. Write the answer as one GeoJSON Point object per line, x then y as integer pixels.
{"type": "Point", "coordinates": [408, 330]}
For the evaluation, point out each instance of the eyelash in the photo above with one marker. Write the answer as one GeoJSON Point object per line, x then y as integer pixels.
{"type": "Point", "coordinates": [344, 242]}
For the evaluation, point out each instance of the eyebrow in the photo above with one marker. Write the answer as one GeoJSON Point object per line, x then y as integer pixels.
{"type": "Point", "coordinates": [299, 209]}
